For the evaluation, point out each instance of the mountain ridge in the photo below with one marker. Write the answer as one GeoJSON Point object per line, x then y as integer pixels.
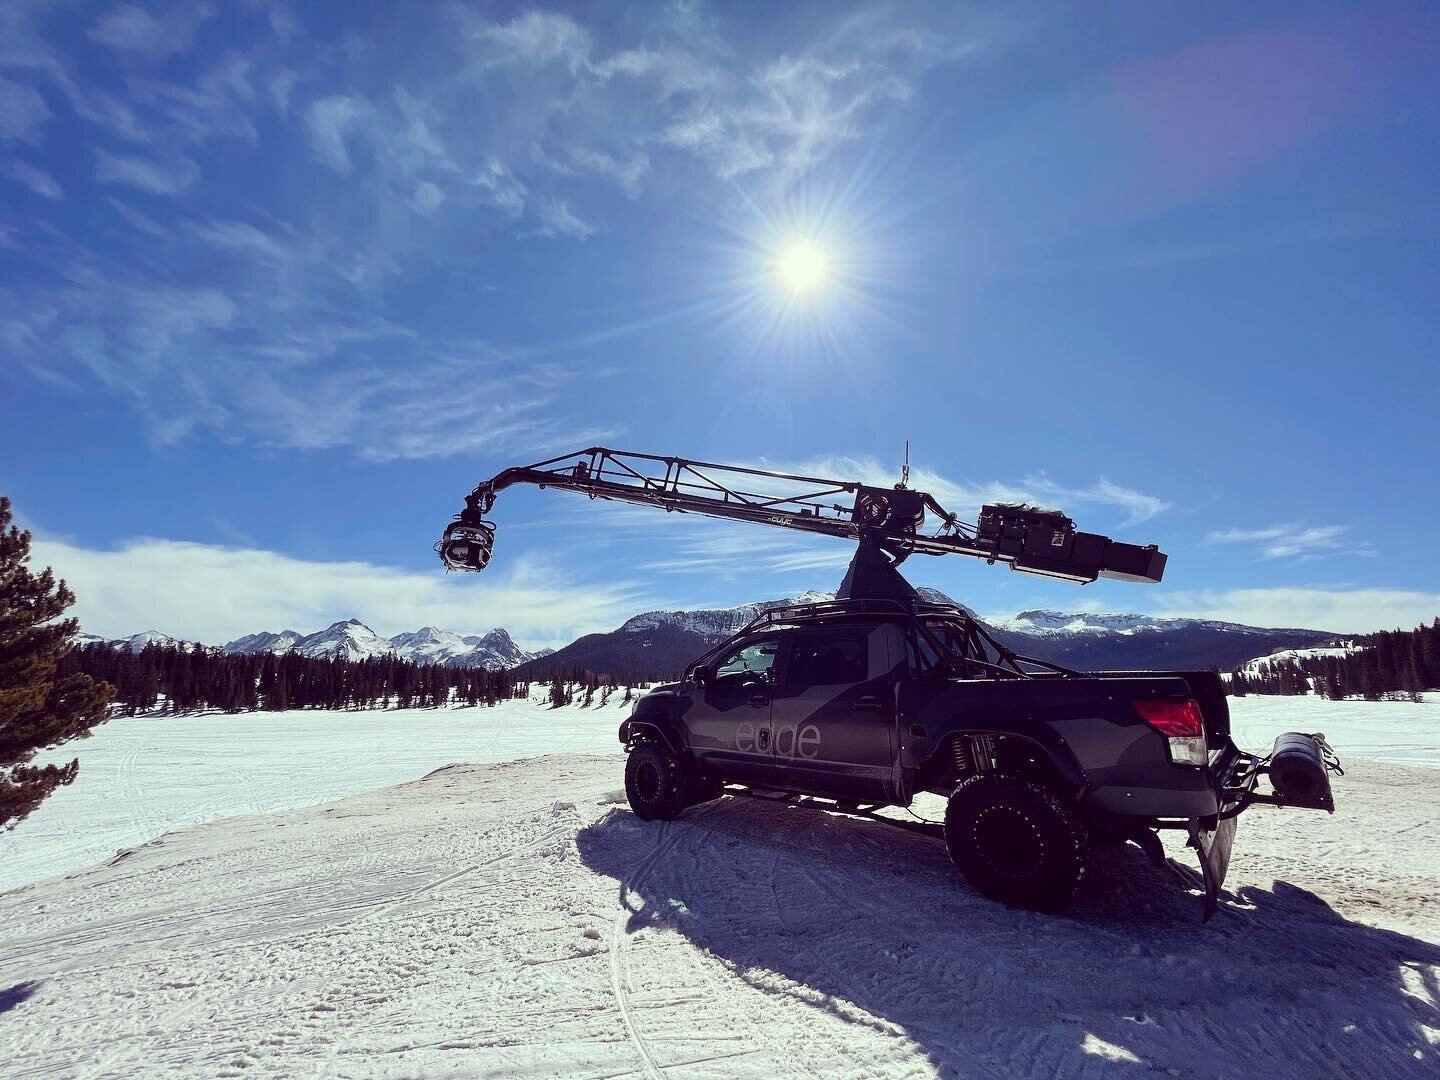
{"type": "Point", "coordinates": [351, 639]}
{"type": "Point", "coordinates": [664, 640]}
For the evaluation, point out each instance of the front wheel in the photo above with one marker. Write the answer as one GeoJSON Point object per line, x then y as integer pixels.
{"type": "Point", "coordinates": [653, 782]}
{"type": "Point", "coordinates": [1015, 841]}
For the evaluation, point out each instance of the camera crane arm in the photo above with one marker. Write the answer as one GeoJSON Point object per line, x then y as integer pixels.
{"type": "Point", "coordinates": [891, 519]}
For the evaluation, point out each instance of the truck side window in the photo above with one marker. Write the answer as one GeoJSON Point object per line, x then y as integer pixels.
{"type": "Point", "coordinates": [750, 663]}
{"type": "Point", "coordinates": [827, 658]}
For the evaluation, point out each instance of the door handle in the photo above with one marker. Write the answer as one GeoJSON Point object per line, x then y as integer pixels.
{"type": "Point", "coordinates": [764, 738]}
{"type": "Point", "coordinates": [869, 703]}
{"type": "Point", "coordinates": [759, 701]}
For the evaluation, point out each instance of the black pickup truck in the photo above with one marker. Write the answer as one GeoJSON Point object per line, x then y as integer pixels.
{"type": "Point", "coordinates": [865, 703]}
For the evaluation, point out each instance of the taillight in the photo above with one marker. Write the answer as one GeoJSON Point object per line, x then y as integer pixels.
{"type": "Point", "coordinates": [1183, 726]}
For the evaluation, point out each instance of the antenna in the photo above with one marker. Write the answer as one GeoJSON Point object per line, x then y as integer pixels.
{"type": "Point", "coordinates": [905, 469]}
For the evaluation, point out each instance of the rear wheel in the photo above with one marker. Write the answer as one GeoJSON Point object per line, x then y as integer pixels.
{"type": "Point", "coordinates": [654, 783]}
{"type": "Point", "coordinates": [1015, 841]}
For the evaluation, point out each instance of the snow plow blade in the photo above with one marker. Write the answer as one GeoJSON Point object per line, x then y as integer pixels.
{"type": "Point", "coordinates": [1213, 846]}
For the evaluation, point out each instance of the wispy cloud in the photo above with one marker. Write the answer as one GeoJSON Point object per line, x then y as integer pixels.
{"type": "Point", "coordinates": [557, 219]}
{"type": "Point", "coordinates": [22, 111]}
{"type": "Point", "coordinates": [153, 584]}
{"type": "Point", "coordinates": [273, 335]}
{"type": "Point", "coordinates": [37, 180]}
{"type": "Point", "coordinates": [964, 498]}
{"type": "Point", "coordinates": [170, 177]}
{"type": "Point", "coordinates": [241, 238]}
{"type": "Point", "coordinates": [436, 406]}
{"type": "Point", "coordinates": [283, 367]}
{"type": "Point", "coordinates": [1348, 611]}
{"type": "Point", "coordinates": [220, 103]}
{"type": "Point", "coordinates": [1294, 541]}
{"type": "Point", "coordinates": [132, 29]}
{"type": "Point", "coordinates": [592, 107]}
{"type": "Point", "coordinates": [730, 550]}
{"type": "Point", "coordinates": [137, 220]}
{"type": "Point", "coordinates": [330, 122]}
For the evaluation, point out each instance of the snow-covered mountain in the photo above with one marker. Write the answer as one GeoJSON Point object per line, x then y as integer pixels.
{"type": "Point", "coordinates": [279, 643]}
{"type": "Point", "coordinates": [1053, 623]}
{"type": "Point", "coordinates": [720, 622]}
{"type": "Point", "coordinates": [658, 643]}
{"type": "Point", "coordinates": [663, 642]}
{"type": "Point", "coordinates": [351, 639]}
{"type": "Point", "coordinates": [1285, 656]}
{"type": "Point", "coordinates": [134, 643]}
{"type": "Point", "coordinates": [431, 645]}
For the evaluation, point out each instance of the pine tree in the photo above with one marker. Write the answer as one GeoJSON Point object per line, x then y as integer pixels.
{"type": "Point", "coordinates": [37, 710]}
{"type": "Point", "coordinates": [1419, 669]}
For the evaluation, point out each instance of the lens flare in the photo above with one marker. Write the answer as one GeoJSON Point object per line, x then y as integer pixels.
{"type": "Point", "coordinates": [802, 266]}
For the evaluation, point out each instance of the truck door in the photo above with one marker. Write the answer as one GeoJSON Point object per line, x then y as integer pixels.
{"type": "Point", "coordinates": [729, 721]}
{"type": "Point", "coordinates": [833, 713]}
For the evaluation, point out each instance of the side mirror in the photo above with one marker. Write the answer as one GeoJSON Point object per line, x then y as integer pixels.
{"type": "Point", "coordinates": [703, 678]}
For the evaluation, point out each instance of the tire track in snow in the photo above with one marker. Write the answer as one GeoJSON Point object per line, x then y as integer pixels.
{"type": "Point", "coordinates": [620, 946]}
{"type": "Point", "coordinates": [827, 886]}
{"type": "Point", "coordinates": [485, 864]}
{"type": "Point", "coordinates": [676, 838]}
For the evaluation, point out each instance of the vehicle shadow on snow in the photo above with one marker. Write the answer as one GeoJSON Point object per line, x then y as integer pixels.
{"type": "Point", "coordinates": [854, 912]}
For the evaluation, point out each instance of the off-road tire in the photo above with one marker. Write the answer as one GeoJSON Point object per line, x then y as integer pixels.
{"type": "Point", "coordinates": [654, 782]}
{"type": "Point", "coordinates": [1015, 841]}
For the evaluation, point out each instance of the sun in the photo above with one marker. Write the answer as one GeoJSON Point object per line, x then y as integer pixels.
{"type": "Point", "coordinates": [802, 266]}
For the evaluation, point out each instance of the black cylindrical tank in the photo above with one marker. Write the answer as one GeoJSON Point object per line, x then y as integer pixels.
{"type": "Point", "coordinates": [1297, 768]}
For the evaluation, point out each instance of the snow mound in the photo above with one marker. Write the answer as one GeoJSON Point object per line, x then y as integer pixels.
{"type": "Point", "coordinates": [470, 924]}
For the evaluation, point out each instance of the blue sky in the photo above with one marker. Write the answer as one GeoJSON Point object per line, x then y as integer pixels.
{"type": "Point", "coordinates": [279, 284]}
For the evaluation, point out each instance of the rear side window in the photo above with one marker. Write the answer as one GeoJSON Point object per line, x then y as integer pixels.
{"type": "Point", "coordinates": [839, 657]}
{"type": "Point", "coordinates": [923, 658]}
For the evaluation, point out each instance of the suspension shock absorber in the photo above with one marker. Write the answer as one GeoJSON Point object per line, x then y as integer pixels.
{"type": "Point", "coordinates": [960, 753]}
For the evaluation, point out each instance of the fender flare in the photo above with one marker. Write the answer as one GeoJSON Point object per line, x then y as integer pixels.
{"type": "Point", "coordinates": [632, 730]}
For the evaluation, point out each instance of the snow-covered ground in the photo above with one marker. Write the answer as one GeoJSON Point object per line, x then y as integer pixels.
{"type": "Point", "coordinates": [144, 775]}
{"type": "Point", "coordinates": [515, 919]}
{"type": "Point", "coordinates": [1400, 732]}
{"type": "Point", "coordinates": [141, 776]}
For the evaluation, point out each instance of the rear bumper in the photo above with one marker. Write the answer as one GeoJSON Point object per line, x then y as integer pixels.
{"type": "Point", "coordinates": [1192, 795]}
{"type": "Point", "coordinates": [1212, 799]}
{"type": "Point", "coordinates": [1224, 788]}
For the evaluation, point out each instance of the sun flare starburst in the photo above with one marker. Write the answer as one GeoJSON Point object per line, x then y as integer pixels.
{"type": "Point", "coordinates": [806, 274]}
{"type": "Point", "coordinates": [802, 266]}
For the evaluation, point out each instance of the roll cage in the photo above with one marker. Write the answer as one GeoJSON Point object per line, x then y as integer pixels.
{"type": "Point", "coordinates": [961, 646]}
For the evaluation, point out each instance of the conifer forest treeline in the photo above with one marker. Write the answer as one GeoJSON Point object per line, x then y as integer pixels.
{"type": "Point", "coordinates": [1390, 664]}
